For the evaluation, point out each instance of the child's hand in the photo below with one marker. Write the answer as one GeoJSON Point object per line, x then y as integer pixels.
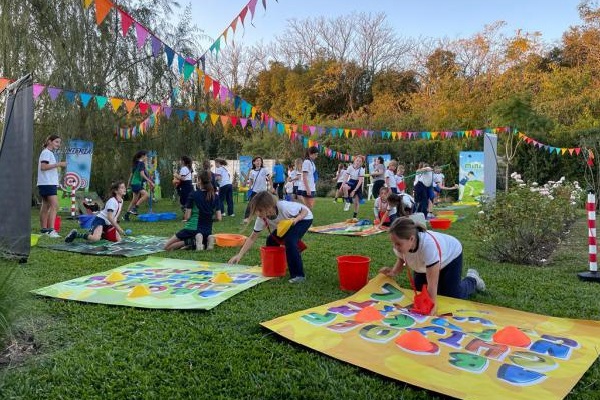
{"type": "Point", "coordinates": [388, 271]}
{"type": "Point", "coordinates": [235, 259]}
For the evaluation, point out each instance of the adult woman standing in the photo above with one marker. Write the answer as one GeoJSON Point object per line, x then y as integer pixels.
{"type": "Point", "coordinates": [377, 176]}
{"type": "Point", "coordinates": [47, 183]}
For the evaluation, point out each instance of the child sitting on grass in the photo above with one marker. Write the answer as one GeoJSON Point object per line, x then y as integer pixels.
{"type": "Point", "coordinates": [269, 212]}
{"type": "Point", "coordinates": [200, 207]}
{"type": "Point", "coordinates": [105, 225]}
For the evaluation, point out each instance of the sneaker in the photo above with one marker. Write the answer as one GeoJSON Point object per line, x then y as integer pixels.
{"type": "Point", "coordinates": [133, 211]}
{"type": "Point", "coordinates": [232, 215]}
{"type": "Point", "coordinates": [298, 279]}
{"type": "Point", "coordinates": [430, 216]}
{"type": "Point", "coordinates": [71, 236]}
{"type": "Point", "coordinates": [210, 242]}
{"type": "Point", "coordinates": [126, 216]}
{"type": "Point", "coordinates": [346, 206]}
{"type": "Point", "coordinates": [479, 283]}
{"type": "Point", "coordinates": [199, 244]}
{"type": "Point", "coordinates": [53, 234]}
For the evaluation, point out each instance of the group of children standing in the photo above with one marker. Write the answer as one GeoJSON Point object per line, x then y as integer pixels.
{"type": "Point", "coordinates": [435, 258]}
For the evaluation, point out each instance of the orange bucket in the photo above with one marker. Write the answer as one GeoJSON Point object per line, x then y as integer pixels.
{"type": "Point", "coordinates": [273, 260]}
{"type": "Point", "coordinates": [353, 272]}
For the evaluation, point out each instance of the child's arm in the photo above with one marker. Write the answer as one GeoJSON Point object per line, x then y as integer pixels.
{"type": "Point", "coordinates": [147, 179]}
{"type": "Point", "coordinates": [395, 270]}
{"type": "Point", "coordinates": [113, 221]}
{"type": "Point", "coordinates": [433, 277]}
{"type": "Point", "coordinates": [301, 215]}
{"type": "Point", "coordinates": [247, 245]}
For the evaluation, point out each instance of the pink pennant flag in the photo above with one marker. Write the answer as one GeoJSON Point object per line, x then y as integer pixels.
{"type": "Point", "coordinates": [142, 35]}
{"type": "Point", "coordinates": [126, 22]}
{"type": "Point", "coordinates": [312, 129]}
{"type": "Point", "coordinates": [577, 150]}
{"type": "Point", "coordinates": [243, 122]}
{"type": "Point", "coordinates": [233, 24]}
{"type": "Point", "coordinates": [37, 90]}
{"type": "Point", "coordinates": [223, 92]}
{"type": "Point", "coordinates": [571, 151]}
{"type": "Point", "coordinates": [252, 7]}
{"type": "Point", "coordinates": [155, 108]}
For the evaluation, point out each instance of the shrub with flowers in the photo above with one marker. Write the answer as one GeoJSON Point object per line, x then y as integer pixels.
{"type": "Point", "coordinates": [524, 225]}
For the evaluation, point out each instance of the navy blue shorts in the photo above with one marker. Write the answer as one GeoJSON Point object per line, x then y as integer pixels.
{"type": "Point", "coordinates": [352, 183]}
{"type": "Point", "coordinates": [137, 188]}
{"type": "Point", "coordinates": [47, 190]}
{"type": "Point", "coordinates": [306, 194]}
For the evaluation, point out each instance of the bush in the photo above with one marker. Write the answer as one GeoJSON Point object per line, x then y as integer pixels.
{"type": "Point", "coordinates": [524, 225]}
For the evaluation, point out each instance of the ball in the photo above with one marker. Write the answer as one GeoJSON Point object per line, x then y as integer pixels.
{"type": "Point", "coordinates": [128, 231]}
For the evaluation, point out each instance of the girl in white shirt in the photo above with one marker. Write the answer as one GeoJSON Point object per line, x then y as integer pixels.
{"type": "Point", "coordinates": [435, 259]}
{"type": "Point", "coordinates": [340, 177]}
{"type": "Point", "coordinates": [295, 176]}
{"type": "Point", "coordinates": [183, 179]}
{"type": "Point", "coordinates": [259, 180]}
{"type": "Point", "coordinates": [307, 188]}
{"type": "Point", "coordinates": [47, 183]}
{"type": "Point", "coordinates": [105, 225]}
{"type": "Point", "coordinates": [390, 177]}
{"type": "Point", "coordinates": [225, 187]}
{"type": "Point", "coordinates": [353, 187]}
{"type": "Point", "coordinates": [269, 212]}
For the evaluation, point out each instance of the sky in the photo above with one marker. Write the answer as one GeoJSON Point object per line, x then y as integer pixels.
{"type": "Point", "coordinates": [451, 19]}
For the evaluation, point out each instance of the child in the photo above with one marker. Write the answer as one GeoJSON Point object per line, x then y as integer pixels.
{"type": "Point", "coordinates": [352, 188]}
{"type": "Point", "coordinates": [47, 183]}
{"type": "Point", "coordinates": [435, 258]}
{"type": "Point", "coordinates": [136, 181]}
{"type": "Point", "coordinates": [385, 214]}
{"type": "Point", "coordinates": [269, 212]}
{"type": "Point", "coordinates": [289, 191]}
{"type": "Point", "coordinates": [400, 184]}
{"type": "Point", "coordinates": [307, 186]}
{"type": "Point", "coordinates": [199, 210]}
{"type": "Point", "coordinates": [225, 186]}
{"type": "Point", "coordinates": [423, 182]}
{"type": "Point", "coordinates": [340, 176]}
{"type": "Point", "coordinates": [105, 225]}
{"type": "Point", "coordinates": [258, 181]}
{"type": "Point", "coordinates": [377, 176]}
{"type": "Point", "coordinates": [390, 176]}
{"type": "Point", "coordinates": [183, 179]}
{"type": "Point", "coordinates": [296, 175]}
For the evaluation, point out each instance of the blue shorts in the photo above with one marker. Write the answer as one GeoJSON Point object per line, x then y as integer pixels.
{"type": "Point", "coordinates": [47, 190]}
{"type": "Point", "coordinates": [99, 222]}
{"type": "Point", "coordinates": [306, 194]}
{"type": "Point", "coordinates": [137, 188]}
{"type": "Point", "coordinates": [352, 184]}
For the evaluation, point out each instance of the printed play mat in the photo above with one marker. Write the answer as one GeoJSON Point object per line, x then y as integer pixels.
{"type": "Point", "coordinates": [475, 351]}
{"type": "Point", "coordinates": [160, 283]}
{"type": "Point", "coordinates": [347, 229]}
{"type": "Point", "coordinates": [130, 246]}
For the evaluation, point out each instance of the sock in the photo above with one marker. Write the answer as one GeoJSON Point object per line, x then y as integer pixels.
{"type": "Point", "coordinates": [354, 215]}
{"type": "Point", "coordinates": [44, 230]}
{"type": "Point", "coordinates": [82, 235]}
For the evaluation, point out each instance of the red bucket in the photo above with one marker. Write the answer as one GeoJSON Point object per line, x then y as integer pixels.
{"type": "Point", "coordinates": [273, 260]}
{"type": "Point", "coordinates": [57, 222]}
{"type": "Point", "coordinates": [353, 272]}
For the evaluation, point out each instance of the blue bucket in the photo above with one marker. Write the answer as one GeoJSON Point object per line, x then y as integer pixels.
{"type": "Point", "coordinates": [85, 221]}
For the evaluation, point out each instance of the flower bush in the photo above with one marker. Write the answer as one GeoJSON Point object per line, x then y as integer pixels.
{"type": "Point", "coordinates": [524, 225]}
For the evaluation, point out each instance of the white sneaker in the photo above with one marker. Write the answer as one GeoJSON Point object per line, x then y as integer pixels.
{"type": "Point", "coordinates": [232, 215]}
{"type": "Point", "coordinates": [199, 244]}
{"type": "Point", "coordinates": [346, 206]}
{"type": "Point", "coordinates": [53, 234]}
{"type": "Point", "coordinates": [479, 283]}
{"type": "Point", "coordinates": [210, 242]}
{"type": "Point", "coordinates": [298, 279]}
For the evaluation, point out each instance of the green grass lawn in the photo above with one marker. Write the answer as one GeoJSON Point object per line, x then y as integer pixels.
{"type": "Point", "coordinates": [87, 351]}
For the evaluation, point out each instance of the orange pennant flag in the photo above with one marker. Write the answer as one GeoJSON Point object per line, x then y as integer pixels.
{"type": "Point", "coordinates": [115, 103]}
{"type": "Point", "coordinates": [3, 83]}
{"type": "Point", "coordinates": [207, 83]}
{"type": "Point", "coordinates": [224, 119]}
{"type": "Point", "coordinates": [214, 118]}
{"type": "Point", "coordinates": [571, 151]}
{"type": "Point", "coordinates": [86, 3]}
{"type": "Point", "coordinates": [102, 9]}
{"type": "Point", "coordinates": [129, 104]}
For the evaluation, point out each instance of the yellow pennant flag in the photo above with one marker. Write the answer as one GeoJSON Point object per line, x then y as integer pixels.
{"type": "Point", "coordinates": [86, 3]}
{"type": "Point", "coordinates": [115, 103]}
{"type": "Point", "coordinates": [563, 150]}
{"type": "Point", "coordinates": [253, 111]}
{"type": "Point", "coordinates": [214, 118]}
{"type": "Point", "coordinates": [434, 135]}
{"type": "Point", "coordinates": [346, 132]}
{"type": "Point", "coordinates": [394, 135]}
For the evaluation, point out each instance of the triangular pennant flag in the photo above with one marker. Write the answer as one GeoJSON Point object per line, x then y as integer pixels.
{"type": "Point", "coordinates": [69, 95]}
{"type": "Point", "coordinates": [252, 7]}
{"type": "Point", "coordinates": [85, 98]}
{"type": "Point", "coordinates": [115, 103]}
{"type": "Point", "coordinates": [87, 3]}
{"type": "Point", "coordinates": [563, 151]}
{"type": "Point", "coordinates": [233, 24]}
{"type": "Point", "coordinates": [214, 118]}
{"type": "Point", "coordinates": [143, 106]}
{"type": "Point", "coordinates": [156, 44]}
{"type": "Point", "coordinates": [37, 90]}
{"type": "Point", "coordinates": [216, 46]}
{"type": "Point", "coordinates": [187, 71]}
{"type": "Point", "coordinates": [223, 94]}
{"type": "Point", "coordinates": [224, 119]}
{"type": "Point", "coordinates": [216, 86]}
{"type": "Point", "coordinates": [102, 9]}
{"type": "Point", "coordinates": [180, 113]}
{"type": "Point", "coordinates": [243, 14]}
{"type": "Point", "coordinates": [167, 111]}
{"type": "Point", "coordinates": [243, 122]}
{"type": "Point", "coordinates": [170, 53]}
{"type": "Point", "coordinates": [203, 116]}
{"type": "Point", "coordinates": [224, 34]}
{"type": "Point", "coordinates": [129, 105]}
{"type": "Point", "coordinates": [254, 123]}
{"type": "Point", "coordinates": [126, 22]}
{"type": "Point", "coordinates": [192, 115]}
{"type": "Point", "coordinates": [141, 34]}
{"type": "Point", "coordinates": [233, 120]}
{"type": "Point", "coordinates": [3, 83]}
{"type": "Point", "coordinates": [207, 83]}
{"type": "Point", "coordinates": [577, 150]}
{"type": "Point", "coordinates": [101, 101]}
{"type": "Point", "coordinates": [53, 92]}
{"type": "Point", "coordinates": [571, 151]}
{"type": "Point", "coordinates": [155, 108]}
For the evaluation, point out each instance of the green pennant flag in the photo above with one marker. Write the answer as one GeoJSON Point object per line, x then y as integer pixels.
{"type": "Point", "coordinates": [101, 101]}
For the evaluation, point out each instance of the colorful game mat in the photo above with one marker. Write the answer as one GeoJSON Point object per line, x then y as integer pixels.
{"type": "Point", "coordinates": [473, 351]}
{"type": "Point", "coordinates": [347, 229]}
{"type": "Point", "coordinates": [130, 246]}
{"type": "Point", "coordinates": [160, 283]}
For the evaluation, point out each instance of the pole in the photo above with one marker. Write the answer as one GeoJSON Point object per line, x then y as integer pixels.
{"type": "Point", "coordinates": [73, 201]}
{"type": "Point", "coordinates": [592, 274]}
